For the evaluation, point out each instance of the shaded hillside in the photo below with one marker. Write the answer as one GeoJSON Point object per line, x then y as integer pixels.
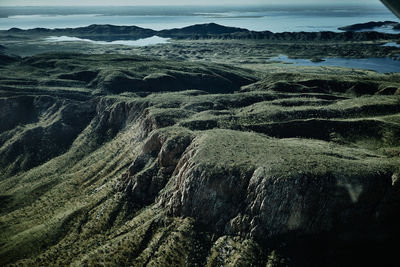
{"type": "Point", "coordinates": [112, 32]}
{"type": "Point", "coordinates": [200, 30]}
{"type": "Point", "coordinates": [166, 163]}
{"type": "Point", "coordinates": [94, 32]}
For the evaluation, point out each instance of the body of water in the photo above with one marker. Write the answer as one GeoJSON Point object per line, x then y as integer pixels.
{"type": "Point", "coordinates": [274, 18]}
{"type": "Point", "coordinates": [381, 65]}
{"type": "Point", "coordinates": [140, 42]}
{"type": "Point", "coordinates": [392, 44]}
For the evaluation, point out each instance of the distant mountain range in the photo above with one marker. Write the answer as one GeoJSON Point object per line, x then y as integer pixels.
{"type": "Point", "coordinates": [207, 31]}
{"type": "Point", "coordinates": [102, 32]}
{"type": "Point", "coordinates": [371, 25]}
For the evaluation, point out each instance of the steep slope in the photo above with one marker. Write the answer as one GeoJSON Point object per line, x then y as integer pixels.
{"type": "Point", "coordinates": [206, 165]}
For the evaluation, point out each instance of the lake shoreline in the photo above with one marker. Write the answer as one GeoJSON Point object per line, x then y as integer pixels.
{"type": "Point", "coordinates": [205, 42]}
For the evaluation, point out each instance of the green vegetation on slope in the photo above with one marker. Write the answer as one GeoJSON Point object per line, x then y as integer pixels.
{"type": "Point", "coordinates": [116, 160]}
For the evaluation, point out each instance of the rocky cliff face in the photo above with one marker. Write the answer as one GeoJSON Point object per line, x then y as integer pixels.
{"type": "Point", "coordinates": [279, 193]}
{"type": "Point", "coordinates": [271, 192]}
{"type": "Point", "coordinates": [287, 169]}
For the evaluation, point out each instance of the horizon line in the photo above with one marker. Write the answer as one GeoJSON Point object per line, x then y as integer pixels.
{"type": "Point", "coordinates": [200, 5]}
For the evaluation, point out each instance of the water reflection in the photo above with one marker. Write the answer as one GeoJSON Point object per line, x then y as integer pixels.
{"type": "Point", "coordinates": [392, 44]}
{"type": "Point", "coordinates": [381, 65]}
{"type": "Point", "coordinates": [140, 42]}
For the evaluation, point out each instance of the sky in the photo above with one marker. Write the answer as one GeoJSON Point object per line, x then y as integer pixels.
{"type": "Point", "coordinates": [169, 2]}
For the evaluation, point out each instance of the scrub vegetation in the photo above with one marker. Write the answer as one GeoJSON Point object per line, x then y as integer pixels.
{"type": "Point", "coordinates": [146, 160]}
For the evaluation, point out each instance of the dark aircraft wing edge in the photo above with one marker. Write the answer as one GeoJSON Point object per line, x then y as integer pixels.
{"type": "Point", "coordinates": [393, 5]}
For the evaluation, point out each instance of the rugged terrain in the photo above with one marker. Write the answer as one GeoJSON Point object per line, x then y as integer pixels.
{"type": "Point", "coordinates": [128, 160]}
{"type": "Point", "coordinates": [164, 160]}
{"type": "Point", "coordinates": [205, 42]}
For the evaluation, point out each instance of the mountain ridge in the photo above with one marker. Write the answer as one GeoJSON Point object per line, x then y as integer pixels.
{"type": "Point", "coordinates": [200, 31]}
{"type": "Point", "coordinates": [370, 25]}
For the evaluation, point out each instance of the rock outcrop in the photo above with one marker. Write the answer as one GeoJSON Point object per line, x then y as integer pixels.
{"type": "Point", "coordinates": [280, 192]}
{"type": "Point", "coordinates": [151, 170]}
